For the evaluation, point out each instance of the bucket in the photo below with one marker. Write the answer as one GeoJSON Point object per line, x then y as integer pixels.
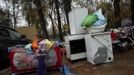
{"type": "Point", "coordinates": [96, 29]}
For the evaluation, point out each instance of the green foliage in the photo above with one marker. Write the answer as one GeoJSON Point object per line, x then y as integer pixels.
{"type": "Point", "coordinates": [105, 6]}
{"type": "Point", "coordinates": [30, 12]}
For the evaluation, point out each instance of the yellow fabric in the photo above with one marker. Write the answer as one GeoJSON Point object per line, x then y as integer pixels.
{"type": "Point", "coordinates": [48, 43]}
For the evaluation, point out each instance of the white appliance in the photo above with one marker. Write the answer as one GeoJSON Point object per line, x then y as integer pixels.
{"type": "Point", "coordinates": [99, 48]}
{"type": "Point", "coordinates": [76, 17]}
{"type": "Point", "coordinates": [75, 47]}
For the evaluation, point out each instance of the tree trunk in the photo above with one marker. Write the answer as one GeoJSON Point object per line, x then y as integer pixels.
{"type": "Point", "coordinates": [67, 8]}
{"type": "Point", "coordinates": [28, 21]}
{"type": "Point", "coordinates": [116, 7]}
{"type": "Point", "coordinates": [14, 15]}
{"type": "Point", "coordinates": [8, 13]}
{"type": "Point", "coordinates": [132, 9]}
{"type": "Point", "coordinates": [42, 20]}
{"type": "Point", "coordinates": [53, 28]}
{"type": "Point", "coordinates": [68, 22]}
{"type": "Point", "coordinates": [59, 21]}
{"type": "Point", "coordinates": [117, 11]}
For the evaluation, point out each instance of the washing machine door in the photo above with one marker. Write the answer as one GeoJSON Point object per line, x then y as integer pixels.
{"type": "Point", "coordinates": [101, 55]}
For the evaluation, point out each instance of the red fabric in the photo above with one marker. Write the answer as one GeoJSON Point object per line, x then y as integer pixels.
{"type": "Point", "coordinates": [113, 36]}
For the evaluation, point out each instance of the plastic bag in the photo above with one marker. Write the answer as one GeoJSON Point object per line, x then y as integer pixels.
{"type": "Point", "coordinates": [101, 19]}
{"type": "Point", "coordinates": [89, 20]}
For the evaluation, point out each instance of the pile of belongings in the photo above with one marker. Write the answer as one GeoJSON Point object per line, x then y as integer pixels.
{"type": "Point", "coordinates": [95, 20]}
{"type": "Point", "coordinates": [24, 57]}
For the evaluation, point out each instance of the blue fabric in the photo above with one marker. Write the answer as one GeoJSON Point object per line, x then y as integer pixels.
{"type": "Point", "coordinates": [28, 48]}
{"type": "Point", "coordinates": [66, 71]}
{"type": "Point", "coordinates": [9, 50]}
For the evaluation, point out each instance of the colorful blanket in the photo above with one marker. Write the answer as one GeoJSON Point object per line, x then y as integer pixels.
{"type": "Point", "coordinates": [24, 60]}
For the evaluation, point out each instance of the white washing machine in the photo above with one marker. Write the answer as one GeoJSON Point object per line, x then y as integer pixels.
{"type": "Point", "coordinates": [99, 48]}
{"type": "Point", "coordinates": [75, 47]}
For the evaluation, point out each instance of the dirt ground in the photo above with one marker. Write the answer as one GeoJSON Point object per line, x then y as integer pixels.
{"type": "Point", "coordinates": [123, 65]}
